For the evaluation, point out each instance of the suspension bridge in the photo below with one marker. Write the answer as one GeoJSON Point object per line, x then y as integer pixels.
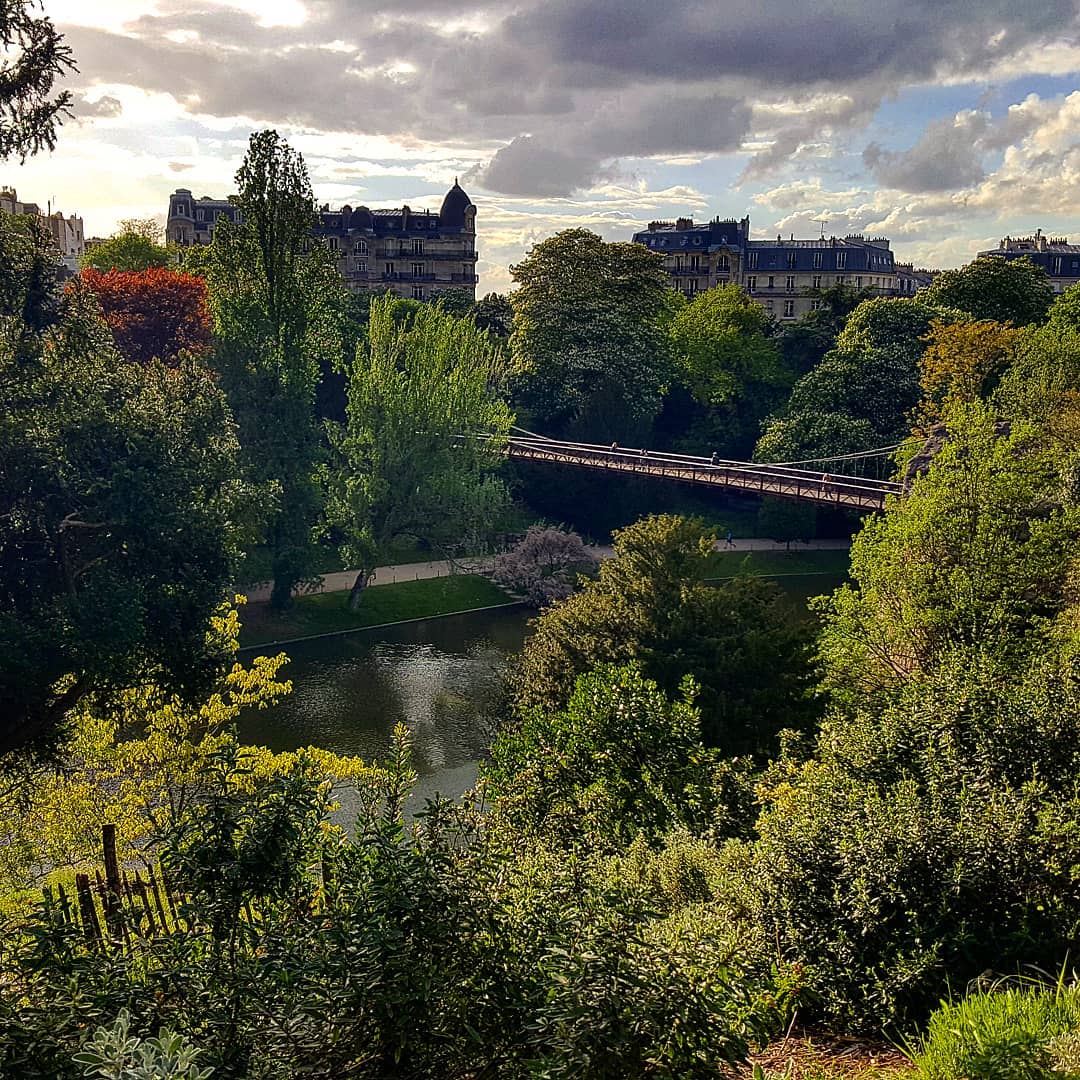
{"type": "Point", "coordinates": [816, 480]}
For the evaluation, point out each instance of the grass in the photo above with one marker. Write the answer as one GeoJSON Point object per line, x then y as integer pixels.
{"type": "Point", "coordinates": [770, 563]}
{"type": "Point", "coordinates": [1018, 1030]}
{"type": "Point", "coordinates": [327, 613]}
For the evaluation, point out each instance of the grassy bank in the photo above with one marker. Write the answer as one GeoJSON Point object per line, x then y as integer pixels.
{"type": "Point", "coordinates": [730, 563]}
{"type": "Point", "coordinates": [326, 613]}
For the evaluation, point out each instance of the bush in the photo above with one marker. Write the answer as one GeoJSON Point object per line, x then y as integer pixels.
{"type": "Point", "coordinates": [1014, 1031]}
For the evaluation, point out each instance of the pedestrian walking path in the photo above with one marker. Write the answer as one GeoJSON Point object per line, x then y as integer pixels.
{"type": "Point", "coordinates": [390, 575]}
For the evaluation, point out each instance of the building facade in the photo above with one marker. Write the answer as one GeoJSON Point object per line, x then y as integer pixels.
{"type": "Point", "coordinates": [779, 273]}
{"type": "Point", "coordinates": [67, 232]}
{"type": "Point", "coordinates": [412, 253]}
{"type": "Point", "coordinates": [1059, 258]}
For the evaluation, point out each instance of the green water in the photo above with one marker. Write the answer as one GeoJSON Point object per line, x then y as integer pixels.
{"type": "Point", "coordinates": [440, 677]}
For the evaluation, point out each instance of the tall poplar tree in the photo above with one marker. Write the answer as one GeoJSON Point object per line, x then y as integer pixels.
{"type": "Point", "coordinates": [275, 301]}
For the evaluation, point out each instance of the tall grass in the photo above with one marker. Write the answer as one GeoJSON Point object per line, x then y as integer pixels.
{"type": "Point", "coordinates": [1016, 1030]}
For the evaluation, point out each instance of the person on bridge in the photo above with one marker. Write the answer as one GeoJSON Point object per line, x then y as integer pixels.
{"type": "Point", "coordinates": [614, 447]}
{"type": "Point", "coordinates": [826, 478]}
{"type": "Point", "coordinates": [715, 459]}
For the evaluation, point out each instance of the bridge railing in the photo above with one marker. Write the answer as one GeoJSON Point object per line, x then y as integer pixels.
{"type": "Point", "coordinates": [639, 457]}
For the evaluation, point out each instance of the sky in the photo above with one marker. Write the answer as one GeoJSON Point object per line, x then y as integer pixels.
{"type": "Point", "coordinates": [941, 124]}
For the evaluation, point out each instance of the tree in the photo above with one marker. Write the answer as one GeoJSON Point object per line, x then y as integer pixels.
{"type": "Point", "coordinates": [784, 520]}
{"type": "Point", "coordinates": [545, 565]}
{"type": "Point", "coordinates": [134, 247]}
{"type": "Point", "coordinates": [964, 361]}
{"type": "Point", "coordinates": [35, 56]}
{"type": "Point", "coordinates": [978, 554]}
{"type": "Point", "coordinates": [153, 313]}
{"type": "Point", "coordinates": [618, 761]}
{"type": "Point", "coordinates": [277, 311]}
{"type": "Point", "coordinates": [418, 452]}
{"type": "Point", "coordinates": [456, 302]}
{"type": "Point", "coordinates": [589, 341]}
{"type": "Point", "coordinates": [871, 378]}
{"type": "Point", "coordinates": [722, 355]}
{"type": "Point", "coordinates": [29, 277]}
{"type": "Point", "coordinates": [805, 343]}
{"type": "Point", "coordinates": [1001, 290]}
{"type": "Point", "coordinates": [495, 314]}
{"type": "Point", "coordinates": [650, 604]}
{"type": "Point", "coordinates": [119, 520]}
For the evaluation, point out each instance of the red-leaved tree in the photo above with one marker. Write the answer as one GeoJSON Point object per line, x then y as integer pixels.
{"type": "Point", "coordinates": [155, 312]}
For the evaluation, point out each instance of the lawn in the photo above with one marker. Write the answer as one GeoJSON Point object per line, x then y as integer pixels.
{"type": "Point", "coordinates": [327, 613]}
{"type": "Point", "coordinates": [776, 563]}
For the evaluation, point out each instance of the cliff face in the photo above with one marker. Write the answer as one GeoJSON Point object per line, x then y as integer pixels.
{"type": "Point", "coordinates": [935, 440]}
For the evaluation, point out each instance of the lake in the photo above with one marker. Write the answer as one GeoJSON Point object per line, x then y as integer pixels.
{"type": "Point", "coordinates": [440, 677]}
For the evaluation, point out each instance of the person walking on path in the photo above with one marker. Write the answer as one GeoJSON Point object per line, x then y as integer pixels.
{"type": "Point", "coordinates": [730, 539]}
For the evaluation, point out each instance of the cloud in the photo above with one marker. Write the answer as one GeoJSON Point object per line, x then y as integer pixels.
{"type": "Point", "coordinates": [104, 107]}
{"type": "Point", "coordinates": [528, 167]}
{"type": "Point", "coordinates": [591, 80]}
{"type": "Point", "coordinates": [180, 166]}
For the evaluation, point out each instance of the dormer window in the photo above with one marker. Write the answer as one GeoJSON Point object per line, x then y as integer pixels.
{"type": "Point", "coordinates": [360, 247]}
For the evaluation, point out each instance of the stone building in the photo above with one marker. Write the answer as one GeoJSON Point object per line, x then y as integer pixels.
{"type": "Point", "coordinates": [911, 279]}
{"type": "Point", "coordinates": [67, 232]}
{"type": "Point", "coordinates": [1059, 258]}
{"type": "Point", "coordinates": [775, 273]}
{"type": "Point", "coordinates": [412, 253]}
{"type": "Point", "coordinates": [191, 221]}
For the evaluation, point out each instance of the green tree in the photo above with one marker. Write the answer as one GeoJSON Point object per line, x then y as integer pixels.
{"type": "Point", "coordinates": [135, 246]}
{"type": "Point", "coordinates": [495, 314]}
{"type": "Point", "coordinates": [804, 343]}
{"type": "Point", "coordinates": [617, 761]}
{"type": "Point", "coordinates": [589, 342]}
{"type": "Point", "coordinates": [408, 460]}
{"type": "Point", "coordinates": [29, 278]}
{"type": "Point", "coordinates": [35, 56]}
{"type": "Point", "coordinates": [456, 302]}
{"type": "Point", "coordinates": [277, 311]}
{"type": "Point", "coordinates": [1001, 290]}
{"type": "Point", "coordinates": [871, 378]}
{"type": "Point", "coordinates": [119, 520]}
{"type": "Point", "coordinates": [650, 604]}
{"type": "Point", "coordinates": [723, 357]}
{"type": "Point", "coordinates": [977, 554]}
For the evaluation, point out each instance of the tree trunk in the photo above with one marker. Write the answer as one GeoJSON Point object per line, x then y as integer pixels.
{"type": "Point", "coordinates": [281, 594]}
{"type": "Point", "coordinates": [363, 579]}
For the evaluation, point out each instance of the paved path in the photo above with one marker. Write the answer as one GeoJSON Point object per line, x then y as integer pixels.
{"type": "Point", "coordinates": [389, 575]}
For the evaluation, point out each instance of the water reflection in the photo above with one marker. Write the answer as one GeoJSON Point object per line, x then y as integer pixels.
{"type": "Point", "coordinates": [440, 677]}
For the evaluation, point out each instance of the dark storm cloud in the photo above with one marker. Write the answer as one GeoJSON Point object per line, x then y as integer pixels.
{"type": "Point", "coordinates": [572, 85]}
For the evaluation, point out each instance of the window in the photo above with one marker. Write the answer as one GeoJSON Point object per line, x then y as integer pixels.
{"type": "Point", "coordinates": [693, 262]}
{"type": "Point", "coordinates": [751, 261]}
{"type": "Point", "coordinates": [389, 269]}
{"type": "Point", "coordinates": [771, 281]}
{"type": "Point", "coordinates": [1057, 265]}
{"type": "Point", "coordinates": [768, 306]}
{"type": "Point", "coordinates": [792, 259]}
{"type": "Point", "coordinates": [817, 260]}
{"type": "Point", "coordinates": [333, 243]}
{"type": "Point", "coordinates": [751, 283]}
{"type": "Point", "coordinates": [418, 269]}
{"type": "Point", "coordinates": [790, 286]}
{"type": "Point", "coordinates": [360, 265]}
{"type": "Point", "coordinates": [789, 309]}
{"type": "Point", "coordinates": [200, 215]}
{"type": "Point", "coordinates": [816, 282]}
{"type": "Point", "coordinates": [418, 292]}
{"type": "Point", "coordinates": [360, 247]}
{"type": "Point", "coordinates": [815, 305]}
{"type": "Point", "coordinates": [839, 279]}
{"type": "Point", "coordinates": [841, 260]}
{"type": "Point", "coordinates": [723, 264]}
{"type": "Point", "coordinates": [858, 282]}
{"type": "Point", "coordinates": [179, 236]}
{"type": "Point", "coordinates": [418, 247]}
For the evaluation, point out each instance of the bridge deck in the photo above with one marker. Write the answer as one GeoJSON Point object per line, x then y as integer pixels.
{"type": "Point", "coordinates": [848, 491]}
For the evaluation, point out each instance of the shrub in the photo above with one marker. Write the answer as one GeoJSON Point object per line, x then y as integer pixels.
{"type": "Point", "coordinates": [545, 565]}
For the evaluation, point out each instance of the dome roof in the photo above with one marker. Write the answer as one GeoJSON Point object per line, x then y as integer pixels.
{"type": "Point", "coordinates": [454, 205]}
